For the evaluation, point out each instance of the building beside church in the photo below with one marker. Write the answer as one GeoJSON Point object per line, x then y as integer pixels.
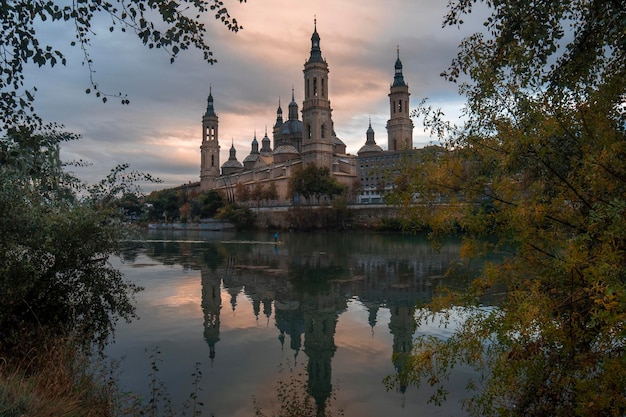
{"type": "Point", "coordinates": [311, 140]}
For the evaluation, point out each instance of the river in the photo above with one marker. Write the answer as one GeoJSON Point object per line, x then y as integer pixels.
{"type": "Point", "coordinates": [321, 314]}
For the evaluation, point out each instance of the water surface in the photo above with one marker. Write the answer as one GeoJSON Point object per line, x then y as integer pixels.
{"type": "Point", "coordinates": [335, 307]}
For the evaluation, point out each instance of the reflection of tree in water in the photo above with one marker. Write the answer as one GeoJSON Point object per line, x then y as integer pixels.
{"type": "Point", "coordinates": [294, 399]}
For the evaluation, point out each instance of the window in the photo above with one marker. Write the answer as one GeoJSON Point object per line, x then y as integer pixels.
{"type": "Point", "coordinates": [315, 87]}
{"type": "Point", "coordinates": [212, 160]}
{"type": "Point", "coordinates": [323, 131]}
{"type": "Point", "coordinates": [308, 131]}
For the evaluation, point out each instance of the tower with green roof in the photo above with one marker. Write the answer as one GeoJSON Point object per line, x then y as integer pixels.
{"type": "Point", "coordinates": [399, 125]}
{"type": "Point", "coordinates": [317, 124]}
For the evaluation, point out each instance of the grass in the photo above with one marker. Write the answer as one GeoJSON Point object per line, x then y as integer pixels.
{"type": "Point", "coordinates": [56, 379]}
{"type": "Point", "coordinates": [60, 378]}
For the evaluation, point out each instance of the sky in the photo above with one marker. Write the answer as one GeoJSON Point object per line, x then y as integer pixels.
{"type": "Point", "coordinates": [160, 132]}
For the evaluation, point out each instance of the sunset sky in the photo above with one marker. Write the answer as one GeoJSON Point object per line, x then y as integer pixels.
{"type": "Point", "coordinates": [160, 131]}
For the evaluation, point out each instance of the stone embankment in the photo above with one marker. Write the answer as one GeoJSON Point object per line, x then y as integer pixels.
{"type": "Point", "coordinates": [204, 225]}
{"type": "Point", "coordinates": [368, 216]}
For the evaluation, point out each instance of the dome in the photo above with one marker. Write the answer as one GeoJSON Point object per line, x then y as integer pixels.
{"type": "Point", "coordinates": [285, 153]}
{"type": "Point", "coordinates": [291, 127]}
{"type": "Point", "coordinates": [232, 163]}
{"type": "Point", "coordinates": [366, 149]}
{"type": "Point", "coordinates": [286, 149]}
{"type": "Point", "coordinates": [253, 157]}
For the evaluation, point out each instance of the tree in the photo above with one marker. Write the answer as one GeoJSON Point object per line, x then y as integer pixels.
{"type": "Point", "coordinates": [56, 238]}
{"type": "Point", "coordinates": [257, 193]}
{"type": "Point", "coordinates": [163, 204]}
{"type": "Point", "coordinates": [130, 205]}
{"type": "Point", "coordinates": [538, 167]}
{"type": "Point", "coordinates": [271, 192]}
{"type": "Point", "coordinates": [210, 202]}
{"type": "Point", "coordinates": [168, 25]}
{"type": "Point", "coordinates": [314, 181]}
{"type": "Point", "coordinates": [242, 194]}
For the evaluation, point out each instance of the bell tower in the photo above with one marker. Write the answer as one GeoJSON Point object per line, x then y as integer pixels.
{"type": "Point", "coordinates": [317, 124]}
{"type": "Point", "coordinates": [399, 125]}
{"type": "Point", "coordinates": [210, 148]}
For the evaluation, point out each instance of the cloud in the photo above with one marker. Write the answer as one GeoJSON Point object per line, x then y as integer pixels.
{"type": "Point", "coordinates": [160, 131]}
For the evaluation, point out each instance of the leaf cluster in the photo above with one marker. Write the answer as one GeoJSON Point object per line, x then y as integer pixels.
{"type": "Point", "coordinates": [536, 173]}
{"type": "Point", "coordinates": [173, 26]}
{"type": "Point", "coordinates": [56, 238]}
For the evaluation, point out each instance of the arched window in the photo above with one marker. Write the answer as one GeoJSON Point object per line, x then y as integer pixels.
{"type": "Point", "coordinates": [308, 131]}
{"type": "Point", "coordinates": [323, 91]}
{"type": "Point", "coordinates": [308, 89]}
{"type": "Point", "coordinates": [399, 106]}
{"type": "Point", "coordinates": [323, 131]}
{"type": "Point", "coordinates": [212, 160]}
{"type": "Point", "coordinates": [315, 87]}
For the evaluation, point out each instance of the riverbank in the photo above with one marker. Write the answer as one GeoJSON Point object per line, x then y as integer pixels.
{"type": "Point", "coordinates": [353, 217]}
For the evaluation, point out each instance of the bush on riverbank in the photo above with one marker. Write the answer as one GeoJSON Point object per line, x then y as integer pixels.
{"type": "Point", "coordinates": [59, 295]}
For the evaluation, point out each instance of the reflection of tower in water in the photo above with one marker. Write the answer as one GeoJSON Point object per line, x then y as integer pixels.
{"type": "Point", "coordinates": [320, 319]}
{"type": "Point", "coordinates": [315, 317]}
{"type": "Point", "coordinates": [290, 321]}
{"type": "Point", "coordinates": [212, 302]}
{"type": "Point", "coordinates": [402, 325]}
{"type": "Point", "coordinates": [211, 306]}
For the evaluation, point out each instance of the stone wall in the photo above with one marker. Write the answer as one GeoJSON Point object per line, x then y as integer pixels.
{"type": "Point", "coordinates": [363, 216]}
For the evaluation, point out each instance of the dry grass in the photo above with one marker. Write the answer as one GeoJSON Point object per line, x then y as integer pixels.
{"type": "Point", "coordinates": [57, 379]}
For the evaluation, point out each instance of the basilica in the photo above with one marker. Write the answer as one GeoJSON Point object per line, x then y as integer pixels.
{"type": "Point", "coordinates": [309, 140]}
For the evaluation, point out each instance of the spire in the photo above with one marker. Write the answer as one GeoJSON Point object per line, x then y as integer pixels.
{"type": "Point", "coordinates": [370, 146]}
{"type": "Point", "coordinates": [398, 79]}
{"type": "Point", "coordinates": [279, 115]}
{"type": "Point", "coordinates": [266, 147]}
{"type": "Point", "coordinates": [255, 144]}
{"type": "Point", "coordinates": [233, 152]}
{"type": "Point", "coordinates": [370, 135]}
{"type": "Point", "coordinates": [293, 107]}
{"type": "Point", "coordinates": [209, 109]}
{"type": "Point", "coordinates": [316, 52]}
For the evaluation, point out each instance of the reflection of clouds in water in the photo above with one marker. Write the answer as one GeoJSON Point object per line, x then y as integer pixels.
{"type": "Point", "coordinates": [348, 317]}
{"type": "Point", "coordinates": [186, 291]}
{"type": "Point", "coordinates": [444, 324]}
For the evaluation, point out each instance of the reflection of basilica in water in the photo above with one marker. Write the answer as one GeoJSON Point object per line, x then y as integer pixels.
{"type": "Point", "coordinates": [307, 291]}
{"type": "Point", "coordinates": [303, 286]}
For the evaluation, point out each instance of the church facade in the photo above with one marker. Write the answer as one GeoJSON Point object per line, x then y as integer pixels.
{"type": "Point", "coordinates": [311, 140]}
